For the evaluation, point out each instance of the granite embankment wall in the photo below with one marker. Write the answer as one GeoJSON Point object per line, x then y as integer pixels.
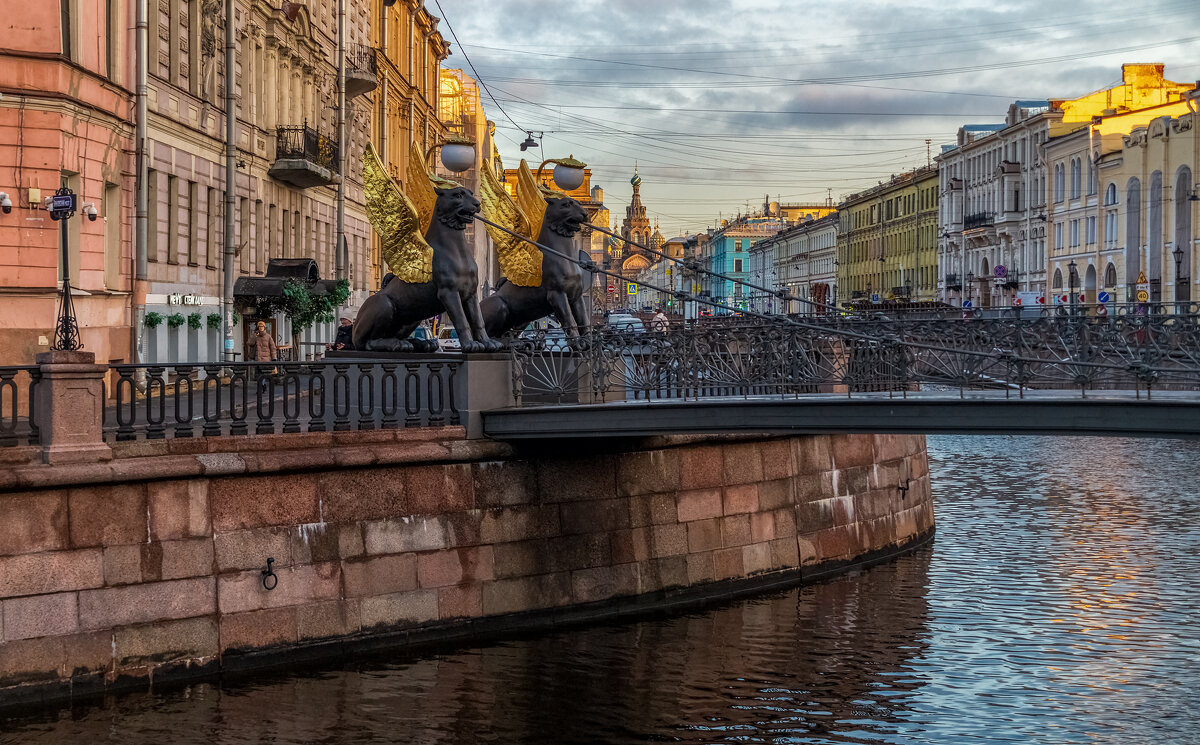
{"type": "Point", "coordinates": [150, 568]}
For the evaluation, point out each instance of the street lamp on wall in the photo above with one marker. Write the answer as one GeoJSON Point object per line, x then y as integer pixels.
{"type": "Point", "coordinates": [1182, 288]}
{"type": "Point", "coordinates": [1072, 280]}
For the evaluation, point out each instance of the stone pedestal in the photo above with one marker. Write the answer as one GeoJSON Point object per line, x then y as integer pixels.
{"type": "Point", "coordinates": [489, 386]}
{"type": "Point", "coordinates": [70, 408]}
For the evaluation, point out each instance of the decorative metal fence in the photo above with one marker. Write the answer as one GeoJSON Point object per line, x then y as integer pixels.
{"type": "Point", "coordinates": [157, 401]}
{"type": "Point", "coordinates": [1133, 353]}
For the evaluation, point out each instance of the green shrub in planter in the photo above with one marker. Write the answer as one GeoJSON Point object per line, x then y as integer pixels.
{"type": "Point", "coordinates": [175, 320]}
{"type": "Point", "coordinates": [152, 320]}
{"type": "Point", "coordinates": [214, 320]}
{"type": "Point", "coordinates": [194, 321]}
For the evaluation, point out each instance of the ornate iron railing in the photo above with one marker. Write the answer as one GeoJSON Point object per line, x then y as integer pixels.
{"type": "Point", "coordinates": [18, 421]}
{"type": "Point", "coordinates": [978, 220]}
{"type": "Point", "coordinates": [305, 143]}
{"type": "Point", "coordinates": [160, 401]}
{"type": "Point", "coordinates": [840, 355]}
{"type": "Point", "coordinates": [361, 58]}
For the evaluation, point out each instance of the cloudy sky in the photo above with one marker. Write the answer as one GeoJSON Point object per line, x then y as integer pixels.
{"type": "Point", "coordinates": [720, 102]}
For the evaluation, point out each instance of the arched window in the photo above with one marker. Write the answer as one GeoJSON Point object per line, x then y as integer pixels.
{"type": "Point", "coordinates": [1076, 178]}
{"type": "Point", "coordinates": [1057, 279]}
{"type": "Point", "coordinates": [1110, 194]}
{"type": "Point", "coordinates": [1059, 182]}
{"type": "Point", "coordinates": [1133, 231]}
{"type": "Point", "coordinates": [1110, 276]}
{"type": "Point", "coordinates": [1091, 181]}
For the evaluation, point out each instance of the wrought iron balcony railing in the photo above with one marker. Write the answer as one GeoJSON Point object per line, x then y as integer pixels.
{"type": "Point", "coordinates": [978, 220]}
{"type": "Point", "coordinates": [305, 157]}
{"type": "Point", "coordinates": [362, 73]}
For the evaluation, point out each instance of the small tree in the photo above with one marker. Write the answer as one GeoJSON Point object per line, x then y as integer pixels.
{"type": "Point", "coordinates": [304, 307]}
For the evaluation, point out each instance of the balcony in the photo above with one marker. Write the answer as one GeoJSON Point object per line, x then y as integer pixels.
{"type": "Point", "coordinates": [362, 76]}
{"type": "Point", "coordinates": [978, 220]}
{"type": "Point", "coordinates": [304, 157]}
{"type": "Point", "coordinates": [953, 282]}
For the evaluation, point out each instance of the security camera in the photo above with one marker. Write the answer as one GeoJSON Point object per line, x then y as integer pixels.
{"type": "Point", "coordinates": [90, 210]}
{"type": "Point", "coordinates": [5, 203]}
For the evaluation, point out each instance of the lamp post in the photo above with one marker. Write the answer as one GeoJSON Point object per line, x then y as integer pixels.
{"type": "Point", "coordinates": [568, 172]}
{"type": "Point", "coordinates": [458, 153]}
{"type": "Point", "coordinates": [968, 283]}
{"type": "Point", "coordinates": [1072, 278]}
{"type": "Point", "coordinates": [66, 329]}
{"type": "Point", "coordinates": [1182, 290]}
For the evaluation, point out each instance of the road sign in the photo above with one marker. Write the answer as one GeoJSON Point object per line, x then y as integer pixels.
{"type": "Point", "coordinates": [875, 298]}
{"type": "Point", "coordinates": [612, 289]}
{"type": "Point", "coordinates": [1141, 280]}
{"type": "Point", "coordinates": [1143, 296]}
{"type": "Point", "coordinates": [62, 203]}
{"type": "Point", "coordinates": [631, 289]}
{"type": "Point", "coordinates": [1104, 297]}
{"type": "Point", "coordinates": [966, 304]}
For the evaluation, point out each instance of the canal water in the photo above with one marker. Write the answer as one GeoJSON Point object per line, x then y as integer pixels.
{"type": "Point", "coordinates": [1059, 603]}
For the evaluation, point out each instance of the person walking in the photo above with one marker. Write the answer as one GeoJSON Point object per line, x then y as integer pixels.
{"type": "Point", "coordinates": [660, 322]}
{"type": "Point", "coordinates": [265, 350]}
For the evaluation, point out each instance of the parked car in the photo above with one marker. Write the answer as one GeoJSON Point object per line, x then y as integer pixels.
{"type": "Point", "coordinates": [448, 339]}
{"type": "Point", "coordinates": [625, 322]}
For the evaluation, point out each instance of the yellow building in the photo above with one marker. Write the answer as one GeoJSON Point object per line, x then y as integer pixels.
{"type": "Point", "coordinates": [405, 108]}
{"type": "Point", "coordinates": [887, 239]}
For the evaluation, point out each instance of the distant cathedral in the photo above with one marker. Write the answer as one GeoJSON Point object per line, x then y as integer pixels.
{"type": "Point", "coordinates": [636, 228]}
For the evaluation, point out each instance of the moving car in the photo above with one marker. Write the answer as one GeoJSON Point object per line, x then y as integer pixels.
{"type": "Point", "coordinates": [448, 339]}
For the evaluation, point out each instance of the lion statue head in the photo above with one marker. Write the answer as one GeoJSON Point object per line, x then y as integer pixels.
{"type": "Point", "coordinates": [455, 207]}
{"type": "Point", "coordinates": [564, 216]}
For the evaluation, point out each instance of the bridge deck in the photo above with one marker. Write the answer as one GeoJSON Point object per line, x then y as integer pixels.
{"type": "Point", "coordinates": [1102, 413]}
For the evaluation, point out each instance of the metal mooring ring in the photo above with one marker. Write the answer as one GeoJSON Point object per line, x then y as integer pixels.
{"type": "Point", "coordinates": [269, 579]}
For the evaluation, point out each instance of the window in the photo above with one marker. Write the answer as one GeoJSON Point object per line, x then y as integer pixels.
{"type": "Point", "coordinates": [1110, 194]}
{"type": "Point", "coordinates": [64, 7]}
{"type": "Point", "coordinates": [1057, 279]}
{"type": "Point", "coordinates": [1110, 276]}
{"type": "Point", "coordinates": [1076, 177]}
{"type": "Point", "coordinates": [111, 26]}
{"type": "Point", "coordinates": [1059, 231]}
{"type": "Point", "coordinates": [1059, 182]}
{"type": "Point", "coordinates": [1091, 230]}
{"type": "Point", "coordinates": [1091, 181]}
{"type": "Point", "coordinates": [737, 246]}
{"type": "Point", "coordinates": [1074, 233]}
{"type": "Point", "coordinates": [737, 265]}
{"type": "Point", "coordinates": [111, 210]}
{"type": "Point", "coordinates": [172, 219]}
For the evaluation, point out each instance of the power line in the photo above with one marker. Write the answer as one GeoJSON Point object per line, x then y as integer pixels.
{"type": "Point", "coordinates": [472, 65]}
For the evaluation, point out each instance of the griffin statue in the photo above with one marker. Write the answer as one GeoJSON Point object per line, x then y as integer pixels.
{"type": "Point", "coordinates": [535, 285]}
{"type": "Point", "coordinates": [424, 245]}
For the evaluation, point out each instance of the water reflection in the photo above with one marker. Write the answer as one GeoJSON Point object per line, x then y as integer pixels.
{"type": "Point", "coordinates": [1058, 605]}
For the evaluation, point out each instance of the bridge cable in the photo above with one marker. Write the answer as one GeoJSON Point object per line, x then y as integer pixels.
{"type": "Point", "coordinates": [590, 266]}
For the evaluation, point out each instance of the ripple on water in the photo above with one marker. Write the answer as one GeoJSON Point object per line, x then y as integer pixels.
{"type": "Point", "coordinates": [1057, 605]}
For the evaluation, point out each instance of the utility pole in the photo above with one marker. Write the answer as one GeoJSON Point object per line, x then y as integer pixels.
{"type": "Point", "coordinates": [230, 179]}
{"type": "Point", "coordinates": [141, 268]}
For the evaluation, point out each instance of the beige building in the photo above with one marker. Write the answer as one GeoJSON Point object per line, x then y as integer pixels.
{"type": "Point", "coordinates": [804, 260]}
{"type": "Point", "coordinates": [1108, 179]}
{"type": "Point", "coordinates": [995, 230]}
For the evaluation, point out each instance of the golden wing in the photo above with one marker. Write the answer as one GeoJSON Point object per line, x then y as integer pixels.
{"type": "Point", "coordinates": [520, 260]}
{"type": "Point", "coordinates": [397, 222]}
{"type": "Point", "coordinates": [530, 200]}
{"type": "Point", "coordinates": [420, 188]}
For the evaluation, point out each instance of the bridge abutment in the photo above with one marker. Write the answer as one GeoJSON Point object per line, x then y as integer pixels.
{"type": "Point", "coordinates": [150, 567]}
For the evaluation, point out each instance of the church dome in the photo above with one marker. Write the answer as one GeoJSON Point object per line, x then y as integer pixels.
{"type": "Point", "coordinates": [636, 180]}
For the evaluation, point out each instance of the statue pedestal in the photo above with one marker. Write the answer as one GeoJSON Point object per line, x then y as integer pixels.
{"type": "Point", "coordinates": [70, 408]}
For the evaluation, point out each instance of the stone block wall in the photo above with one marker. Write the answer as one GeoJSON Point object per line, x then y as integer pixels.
{"type": "Point", "coordinates": [112, 584]}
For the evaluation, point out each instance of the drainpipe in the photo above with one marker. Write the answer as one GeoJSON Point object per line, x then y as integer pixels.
{"type": "Point", "coordinates": [230, 179]}
{"type": "Point", "coordinates": [141, 179]}
{"type": "Point", "coordinates": [341, 136]}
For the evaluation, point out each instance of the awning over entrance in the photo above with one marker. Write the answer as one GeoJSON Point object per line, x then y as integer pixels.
{"type": "Point", "coordinates": [247, 289]}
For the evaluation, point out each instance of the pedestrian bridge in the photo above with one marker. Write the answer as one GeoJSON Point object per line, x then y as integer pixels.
{"type": "Point", "coordinates": [1113, 413]}
{"type": "Point", "coordinates": [1121, 376]}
